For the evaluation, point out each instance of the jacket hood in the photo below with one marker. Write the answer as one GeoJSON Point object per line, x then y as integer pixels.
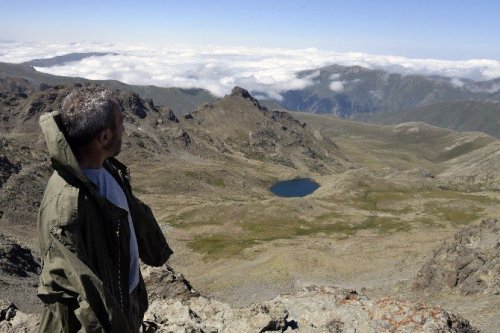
{"type": "Point", "coordinates": [62, 157]}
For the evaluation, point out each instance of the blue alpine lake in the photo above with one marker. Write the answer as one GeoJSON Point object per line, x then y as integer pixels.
{"type": "Point", "coordinates": [294, 187]}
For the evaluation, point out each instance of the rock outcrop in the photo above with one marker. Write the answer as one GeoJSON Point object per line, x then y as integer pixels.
{"type": "Point", "coordinates": [470, 263]}
{"type": "Point", "coordinates": [7, 168]}
{"type": "Point", "coordinates": [16, 260]}
{"type": "Point", "coordinates": [19, 269]}
{"type": "Point", "coordinates": [134, 103]}
{"type": "Point", "coordinates": [15, 87]}
{"type": "Point", "coordinates": [14, 321]}
{"type": "Point", "coordinates": [164, 283]}
{"type": "Point", "coordinates": [313, 309]}
{"type": "Point", "coordinates": [176, 307]}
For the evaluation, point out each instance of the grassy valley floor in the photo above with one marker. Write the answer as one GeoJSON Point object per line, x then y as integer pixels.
{"type": "Point", "coordinates": [368, 228]}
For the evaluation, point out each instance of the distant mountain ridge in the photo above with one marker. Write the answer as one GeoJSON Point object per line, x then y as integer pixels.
{"type": "Point", "coordinates": [347, 91]}
{"type": "Point", "coordinates": [182, 101]}
{"type": "Point", "coordinates": [344, 91]}
{"type": "Point", "coordinates": [468, 115]}
{"type": "Point", "coordinates": [63, 59]}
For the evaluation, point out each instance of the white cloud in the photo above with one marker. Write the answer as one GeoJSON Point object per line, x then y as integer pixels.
{"type": "Point", "coordinates": [334, 76]}
{"type": "Point", "coordinates": [337, 86]}
{"type": "Point", "coordinates": [457, 82]}
{"type": "Point", "coordinates": [218, 69]}
{"type": "Point", "coordinates": [313, 75]}
{"type": "Point", "coordinates": [492, 89]}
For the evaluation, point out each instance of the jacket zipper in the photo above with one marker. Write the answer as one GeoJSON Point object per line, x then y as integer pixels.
{"type": "Point", "coordinates": [119, 264]}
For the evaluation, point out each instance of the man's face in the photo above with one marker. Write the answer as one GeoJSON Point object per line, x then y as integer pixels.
{"type": "Point", "coordinates": [115, 145]}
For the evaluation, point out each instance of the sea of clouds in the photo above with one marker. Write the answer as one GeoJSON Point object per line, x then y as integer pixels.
{"type": "Point", "coordinates": [218, 69]}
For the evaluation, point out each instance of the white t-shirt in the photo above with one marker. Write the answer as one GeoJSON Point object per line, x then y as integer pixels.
{"type": "Point", "coordinates": [109, 188]}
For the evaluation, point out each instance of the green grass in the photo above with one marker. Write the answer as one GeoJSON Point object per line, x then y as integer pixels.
{"type": "Point", "coordinates": [217, 246]}
{"type": "Point", "coordinates": [384, 225]}
{"type": "Point", "coordinates": [386, 211]}
{"type": "Point", "coordinates": [454, 195]}
{"type": "Point", "coordinates": [456, 214]}
{"type": "Point", "coordinates": [220, 246]}
{"type": "Point", "coordinates": [382, 197]}
{"type": "Point", "coordinates": [378, 206]}
{"type": "Point", "coordinates": [205, 177]}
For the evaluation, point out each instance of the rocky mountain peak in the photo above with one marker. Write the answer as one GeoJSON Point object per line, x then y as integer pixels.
{"type": "Point", "coordinates": [262, 134]}
{"type": "Point", "coordinates": [239, 91]}
{"type": "Point", "coordinates": [243, 93]}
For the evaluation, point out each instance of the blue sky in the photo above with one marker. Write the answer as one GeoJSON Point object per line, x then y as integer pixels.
{"type": "Point", "coordinates": [439, 29]}
{"type": "Point", "coordinates": [259, 45]}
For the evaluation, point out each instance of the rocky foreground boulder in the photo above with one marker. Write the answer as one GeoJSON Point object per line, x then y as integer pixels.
{"type": "Point", "coordinates": [14, 321]}
{"type": "Point", "coordinates": [470, 263]}
{"type": "Point", "coordinates": [175, 306]}
{"type": "Point", "coordinates": [312, 309]}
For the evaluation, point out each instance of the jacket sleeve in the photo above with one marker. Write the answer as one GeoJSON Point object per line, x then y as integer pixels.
{"type": "Point", "coordinates": [153, 247]}
{"type": "Point", "coordinates": [73, 292]}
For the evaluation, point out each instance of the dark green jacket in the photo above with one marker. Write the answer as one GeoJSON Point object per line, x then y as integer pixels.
{"type": "Point", "coordinates": [84, 243]}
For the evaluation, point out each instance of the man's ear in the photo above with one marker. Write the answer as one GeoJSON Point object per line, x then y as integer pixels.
{"type": "Point", "coordinates": [104, 137]}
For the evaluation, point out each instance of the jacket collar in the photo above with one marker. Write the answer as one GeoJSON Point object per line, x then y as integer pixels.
{"type": "Point", "coordinates": [62, 157]}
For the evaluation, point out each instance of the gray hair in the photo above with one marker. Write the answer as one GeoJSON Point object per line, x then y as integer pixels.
{"type": "Point", "coordinates": [87, 111]}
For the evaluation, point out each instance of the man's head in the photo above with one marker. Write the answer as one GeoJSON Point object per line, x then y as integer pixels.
{"type": "Point", "coordinates": [91, 117]}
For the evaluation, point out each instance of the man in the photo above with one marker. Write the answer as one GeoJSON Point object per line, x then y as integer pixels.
{"type": "Point", "coordinates": [92, 229]}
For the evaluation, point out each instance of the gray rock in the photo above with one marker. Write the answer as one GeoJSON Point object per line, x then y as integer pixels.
{"type": "Point", "coordinates": [7, 168]}
{"type": "Point", "coordinates": [16, 260]}
{"type": "Point", "coordinates": [164, 283]}
{"type": "Point", "coordinates": [470, 263]}
{"type": "Point", "coordinates": [313, 309]}
{"type": "Point", "coordinates": [14, 321]}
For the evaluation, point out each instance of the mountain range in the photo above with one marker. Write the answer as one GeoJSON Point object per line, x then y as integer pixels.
{"type": "Point", "coordinates": [350, 92]}
{"type": "Point", "coordinates": [64, 59]}
{"type": "Point", "coordinates": [346, 91]}
{"type": "Point", "coordinates": [462, 115]}
{"type": "Point", "coordinates": [181, 100]}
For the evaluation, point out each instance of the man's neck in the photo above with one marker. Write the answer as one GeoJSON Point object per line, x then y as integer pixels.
{"type": "Point", "coordinates": [89, 158]}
